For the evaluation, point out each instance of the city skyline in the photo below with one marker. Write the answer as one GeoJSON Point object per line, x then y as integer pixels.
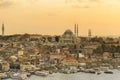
{"type": "Point", "coordinates": [55, 16]}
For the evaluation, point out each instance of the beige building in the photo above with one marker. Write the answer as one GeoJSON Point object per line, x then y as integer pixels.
{"type": "Point", "coordinates": [70, 62]}
{"type": "Point", "coordinates": [26, 66]}
{"type": "Point", "coordinates": [5, 66]}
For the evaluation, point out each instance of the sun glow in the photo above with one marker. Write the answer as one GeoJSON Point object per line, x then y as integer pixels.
{"type": "Point", "coordinates": [54, 16]}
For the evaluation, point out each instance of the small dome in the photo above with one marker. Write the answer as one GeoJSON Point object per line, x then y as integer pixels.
{"type": "Point", "coordinates": [68, 32]}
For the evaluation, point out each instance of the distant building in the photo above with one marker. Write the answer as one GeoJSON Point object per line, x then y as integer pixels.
{"type": "Point", "coordinates": [35, 37]}
{"type": "Point", "coordinates": [4, 66]}
{"type": "Point", "coordinates": [88, 50]}
{"type": "Point", "coordinates": [26, 66]}
{"type": "Point", "coordinates": [70, 62]}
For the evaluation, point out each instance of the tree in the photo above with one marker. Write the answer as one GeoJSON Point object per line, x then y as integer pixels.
{"type": "Point", "coordinates": [99, 50]}
{"type": "Point", "coordinates": [57, 38]}
{"type": "Point", "coordinates": [49, 39]}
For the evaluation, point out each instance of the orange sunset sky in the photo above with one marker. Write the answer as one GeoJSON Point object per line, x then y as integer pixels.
{"type": "Point", "coordinates": [53, 17]}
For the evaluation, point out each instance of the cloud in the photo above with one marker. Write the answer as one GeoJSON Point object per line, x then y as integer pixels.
{"type": "Point", "coordinates": [52, 14]}
{"type": "Point", "coordinates": [79, 1]}
{"type": "Point", "coordinates": [5, 3]}
{"type": "Point", "coordinates": [92, 3]}
{"type": "Point", "coordinates": [32, 1]}
{"type": "Point", "coordinates": [77, 6]}
{"type": "Point", "coordinates": [82, 3]}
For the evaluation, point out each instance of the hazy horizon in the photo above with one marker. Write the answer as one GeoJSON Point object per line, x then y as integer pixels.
{"type": "Point", "coordinates": [53, 17]}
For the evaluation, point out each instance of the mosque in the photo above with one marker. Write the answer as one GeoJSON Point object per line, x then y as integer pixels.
{"type": "Point", "coordinates": [69, 37]}
{"type": "Point", "coordinates": [3, 29]}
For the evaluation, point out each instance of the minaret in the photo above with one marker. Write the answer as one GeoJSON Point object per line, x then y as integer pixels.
{"type": "Point", "coordinates": [89, 34]}
{"type": "Point", "coordinates": [75, 27]}
{"type": "Point", "coordinates": [2, 29]}
{"type": "Point", "coordinates": [77, 30]}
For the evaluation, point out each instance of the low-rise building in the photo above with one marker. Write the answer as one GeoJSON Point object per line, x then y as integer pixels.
{"type": "Point", "coordinates": [26, 66]}
{"type": "Point", "coordinates": [70, 62]}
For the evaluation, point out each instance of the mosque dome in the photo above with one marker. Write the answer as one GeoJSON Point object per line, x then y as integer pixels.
{"type": "Point", "coordinates": [68, 32]}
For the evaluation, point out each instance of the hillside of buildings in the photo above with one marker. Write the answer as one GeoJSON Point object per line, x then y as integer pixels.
{"type": "Point", "coordinates": [67, 49]}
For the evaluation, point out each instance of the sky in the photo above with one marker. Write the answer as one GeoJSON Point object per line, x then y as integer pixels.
{"type": "Point", "coordinates": [53, 17]}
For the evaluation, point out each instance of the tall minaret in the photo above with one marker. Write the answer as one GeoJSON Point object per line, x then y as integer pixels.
{"type": "Point", "coordinates": [75, 27]}
{"type": "Point", "coordinates": [77, 30]}
{"type": "Point", "coordinates": [89, 34]}
{"type": "Point", "coordinates": [3, 29]}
